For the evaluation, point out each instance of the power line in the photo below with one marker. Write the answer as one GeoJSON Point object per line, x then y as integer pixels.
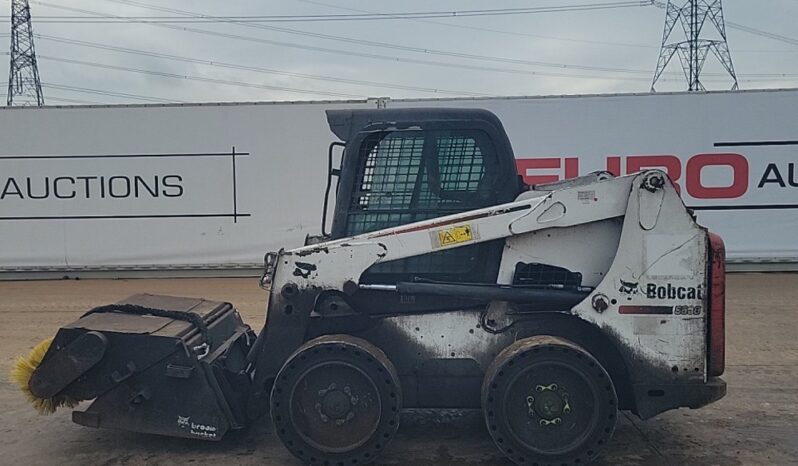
{"type": "Point", "coordinates": [397, 46]}
{"type": "Point", "coordinates": [256, 69]}
{"type": "Point", "coordinates": [225, 82]}
{"type": "Point", "coordinates": [73, 101]}
{"type": "Point", "coordinates": [762, 33]}
{"type": "Point", "coordinates": [350, 53]}
{"type": "Point", "coordinates": [420, 50]}
{"type": "Point", "coordinates": [375, 56]}
{"type": "Point", "coordinates": [348, 17]}
{"type": "Point", "coordinates": [266, 70]}
{"type": "Point", "coordinates": [86, 90]}
{"type": "Point", "coordinates": [177, 76]}
{"type": "Point", "coordinates": [405, 48]}
{"type": "Point", "coordinates": [527, 34]}
{"type": "Point", "coordinates": [495, 31]}
{"type": "Point", "coordinates": [382, 57]}
{"type": "Point", "coordinates": [50, 98]}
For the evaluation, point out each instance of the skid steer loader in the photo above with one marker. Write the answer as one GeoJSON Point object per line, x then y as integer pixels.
{"type": "Point", "coordinates": [444, 282]}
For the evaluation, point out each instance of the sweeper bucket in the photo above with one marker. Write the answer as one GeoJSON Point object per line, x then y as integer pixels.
{"type": "Point", "coordinates": [155, 364]}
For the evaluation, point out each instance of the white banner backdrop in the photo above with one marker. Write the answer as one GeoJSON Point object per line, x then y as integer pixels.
{"type": "Point", "coordinates": [164, 186]}
{"type": "Point", "coordinates": [218, 185]}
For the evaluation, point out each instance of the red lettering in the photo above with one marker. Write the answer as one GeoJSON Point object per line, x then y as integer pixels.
{"type": "Point", "coordinates": [571, 167]}
{"type": "Point", "coordinates": [568, 168]}
{"type": "Point", "coordinates": [738, 187]}
{"type": "Point", "coordinates": [524, 165]}
{"type": "Point", "coordinates": [614, 165]}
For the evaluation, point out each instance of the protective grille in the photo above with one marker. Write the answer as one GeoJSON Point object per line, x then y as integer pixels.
{"type": "Point", "coordinates": [461, 167]}
{"type": "Point", "coordinates": [409, 176]}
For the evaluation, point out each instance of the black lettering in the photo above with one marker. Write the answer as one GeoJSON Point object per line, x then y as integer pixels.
{"type": "Point", "coordinates": [111, 186]}
{"type": "Point", "coordinates": [55, 187]}
{"type": "Point", "coordinates": [178, 188]}
{"type": "Point", "coordinates": [766, 176]}
{"type": "Point", "coordinates": [792, 179]}
{"type": "Point", "coordinates": [11, 182]}
{"type": "Point", "coordinates": [102, 187]}
{"type": "Point", "coordinates": [139, 181]}
{"type": "Point", "coordinates": [46, 189]}
{"type": "Point", "coordinates": [671, 292]}
{"type": "Point", "coordinates": [651, 291]}
{"type": "Point", "coordinates": [691, 293]}
{"type": "Point", "coordinates": [86, 187]}
{"type": "Point", "coordinates": [681, 292]}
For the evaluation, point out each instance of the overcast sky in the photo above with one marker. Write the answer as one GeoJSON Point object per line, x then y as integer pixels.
{"type": "Point", "coordinates": [576, 52]}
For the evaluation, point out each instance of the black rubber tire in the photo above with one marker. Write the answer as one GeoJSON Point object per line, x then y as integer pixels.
{"type": "Point", "coordinates": [538, 432]}
{"type": "Point", "coordinates": [321, 370]}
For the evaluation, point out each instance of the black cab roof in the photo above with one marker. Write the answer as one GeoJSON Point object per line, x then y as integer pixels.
{"type": "Point", "coordinates": [347, 123]}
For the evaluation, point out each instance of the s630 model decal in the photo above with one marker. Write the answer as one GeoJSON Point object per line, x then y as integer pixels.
{"type": "Point", "coordinates": [688, 310]}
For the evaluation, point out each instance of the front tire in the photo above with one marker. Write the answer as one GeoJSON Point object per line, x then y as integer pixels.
{"type": "Point", "coordinates": [336, 401]}
{"type": "Point", "coordinates": [548, 401]}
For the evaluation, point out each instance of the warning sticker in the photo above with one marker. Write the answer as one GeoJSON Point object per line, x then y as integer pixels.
{"type": "Point", "coordinates": [455, 235]}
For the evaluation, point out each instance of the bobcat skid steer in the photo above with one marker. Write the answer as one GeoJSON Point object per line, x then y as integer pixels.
{"type": "Point", "coordinates": [444, 282]}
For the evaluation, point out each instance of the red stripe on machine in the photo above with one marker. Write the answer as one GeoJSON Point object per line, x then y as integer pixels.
{"type": "Point", "coordinates": [645, 309]}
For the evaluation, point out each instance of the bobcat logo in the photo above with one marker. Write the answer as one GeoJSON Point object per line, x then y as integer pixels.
{"type": "Point", "coordinates": [629, 287]}
{"type": "Point", "coordinates": [183, 421]}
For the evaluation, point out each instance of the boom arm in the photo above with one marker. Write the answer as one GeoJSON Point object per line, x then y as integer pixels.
{"type": "Point", "coordinates": [336, 263]}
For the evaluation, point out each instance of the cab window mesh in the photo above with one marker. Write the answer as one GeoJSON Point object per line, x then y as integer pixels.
{"type": "Point", "coordinates": [409, 176]}
{"type": "Point", "coordinates": [461, 167]}
{"type": "Point", "coordinates": [386, 181]}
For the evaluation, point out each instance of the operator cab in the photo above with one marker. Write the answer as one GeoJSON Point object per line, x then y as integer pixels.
{"type": "Point", "coordinates": [407, 165]}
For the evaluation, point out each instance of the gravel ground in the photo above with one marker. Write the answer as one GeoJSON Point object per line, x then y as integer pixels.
{"type": "Point", "coordinates": [756, 423]}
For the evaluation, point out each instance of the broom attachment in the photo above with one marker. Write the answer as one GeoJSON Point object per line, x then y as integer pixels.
{"type": "Point", "coordinates": [21, 373]}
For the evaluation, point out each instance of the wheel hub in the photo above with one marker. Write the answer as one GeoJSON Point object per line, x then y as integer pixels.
{"type": "Point", "coordinates": [336, 404]}
{"type": "Point", "coordinates": [549, 403]}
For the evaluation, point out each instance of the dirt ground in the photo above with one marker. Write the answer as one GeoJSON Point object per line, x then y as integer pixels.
{"type": "Point", "coordinates": [756, 423]}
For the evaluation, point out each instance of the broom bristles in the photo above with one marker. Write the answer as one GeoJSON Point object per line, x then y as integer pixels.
{"type": "Point", "coordinates": [22, 371]}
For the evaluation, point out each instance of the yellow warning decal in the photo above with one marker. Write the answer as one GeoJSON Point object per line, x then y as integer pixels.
{"type": "Point", "coordinates": [455, 235]}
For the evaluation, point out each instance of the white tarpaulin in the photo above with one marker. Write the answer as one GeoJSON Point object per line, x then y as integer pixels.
{"type": "Point", "coordinates": [219, 185]}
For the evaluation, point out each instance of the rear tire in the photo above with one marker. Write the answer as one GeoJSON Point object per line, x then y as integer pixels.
{"type": "Point", "coordinates": [336, 401]}
{"type": "Point", "coordinates": [548, 401]}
